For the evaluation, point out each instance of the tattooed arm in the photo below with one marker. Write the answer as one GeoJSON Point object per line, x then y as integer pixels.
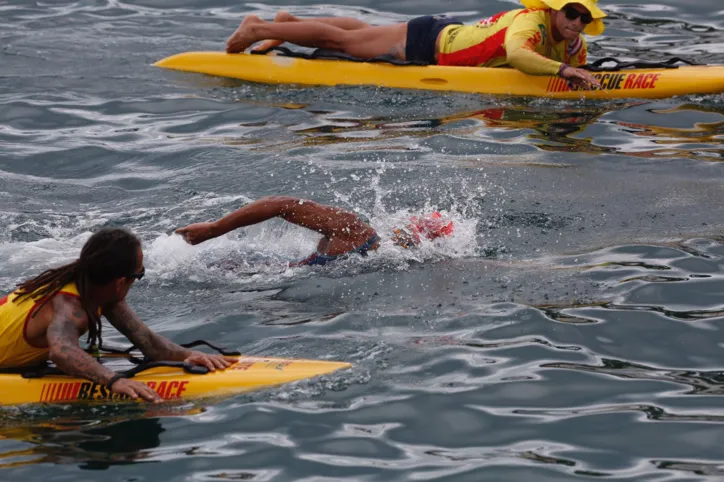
{"type": "Point", "coordinates": [153, 345]}
{"type": "Point", "coordinates": [68, 323]}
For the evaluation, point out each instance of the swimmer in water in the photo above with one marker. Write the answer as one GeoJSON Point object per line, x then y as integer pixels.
{"type": "Point", "coordinates": [344, 233]}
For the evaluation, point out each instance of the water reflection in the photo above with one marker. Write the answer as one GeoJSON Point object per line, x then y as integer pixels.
{"type": "Point", "coordinates": [89, 442]}
{"type": "Point", "coordinates": [704, 140]}
{"type": "Point", "coordinates": [591, 128]}
{"type": "Point", "coordinates": [712, 469]}
{"type": "Point", "coordinates": [699, 382]}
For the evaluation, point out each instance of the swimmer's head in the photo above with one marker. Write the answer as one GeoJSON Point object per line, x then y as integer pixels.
{"type": "Point", "coordinates": [431, 226]}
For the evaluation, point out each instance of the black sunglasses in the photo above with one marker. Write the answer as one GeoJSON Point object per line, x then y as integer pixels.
{"type": "Point", "coordinates": [139, 275]}
{"type": "Point", "coordinates": [572, 14]}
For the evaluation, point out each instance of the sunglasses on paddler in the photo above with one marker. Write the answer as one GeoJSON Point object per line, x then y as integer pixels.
{"type": "Point", "coordinates": [572, 14]}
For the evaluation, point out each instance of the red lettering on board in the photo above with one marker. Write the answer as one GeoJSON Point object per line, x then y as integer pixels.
{"type": "Point", "coordinates": [170, 391]}
{"type": "Point", "coordinates": [161, 390]}
{"type": "Point", "coordinates": [647, 81]}
{"type": "Point", "coordinates": [181, 388]}
{"type": "Point", "coordinates": [654, 78]}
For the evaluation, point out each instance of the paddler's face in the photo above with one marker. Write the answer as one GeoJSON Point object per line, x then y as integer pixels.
{"type": "Point", "coordinates": [124, 284]}
{"type": "Point", "coordinates": [569, 28]}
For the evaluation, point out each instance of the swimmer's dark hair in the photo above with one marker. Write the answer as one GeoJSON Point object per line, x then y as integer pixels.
{"type": "Point", "coordinates": [108, 254]}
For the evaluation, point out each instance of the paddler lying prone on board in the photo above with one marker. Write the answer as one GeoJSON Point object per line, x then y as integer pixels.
{"type": "Point", "coordinates": [545, 38]}
{"type": "Point", "coordinates": [344, 233]}
{"type": "Point", "coordinates": [46, 315]}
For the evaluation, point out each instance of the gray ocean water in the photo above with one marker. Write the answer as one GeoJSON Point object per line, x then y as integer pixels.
{"type": "Point", "coordinates": [571, 329]}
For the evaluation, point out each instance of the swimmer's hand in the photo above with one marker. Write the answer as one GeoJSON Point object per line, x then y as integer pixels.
{"type": "Point", "coordinates": [197, 233]}
{"type": "Point", "coordinates": [579, 77]}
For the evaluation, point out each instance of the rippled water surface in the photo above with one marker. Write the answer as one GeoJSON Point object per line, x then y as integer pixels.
{"type": "Point", "coordinates": [571, 329]}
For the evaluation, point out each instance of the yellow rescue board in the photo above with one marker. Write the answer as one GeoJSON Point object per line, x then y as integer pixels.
{"type": "Point", "coordinates": [274, 69]}
{"type": "Point", "coordinates": [247, 374]}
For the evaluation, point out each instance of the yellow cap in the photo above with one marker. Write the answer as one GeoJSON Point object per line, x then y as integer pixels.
{"type": "Point", "coordinates": [594, 28]}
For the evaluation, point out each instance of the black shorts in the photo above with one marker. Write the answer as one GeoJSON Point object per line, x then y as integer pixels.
{"type": "Point", "coordinates": [422, 34]}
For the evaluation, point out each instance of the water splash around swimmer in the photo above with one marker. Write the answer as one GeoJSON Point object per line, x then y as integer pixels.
{"type": "Point", "coordinates": [262, 253]}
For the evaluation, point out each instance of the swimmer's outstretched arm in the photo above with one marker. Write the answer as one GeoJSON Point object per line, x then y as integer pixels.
{"type": "Point", "coordinates": [327, 220]}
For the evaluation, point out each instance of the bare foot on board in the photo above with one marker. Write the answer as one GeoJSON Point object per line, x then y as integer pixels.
{"type": "Point", "coordinates": [280, 17]}
{"type": "Point", "coordinates": [243, 37]}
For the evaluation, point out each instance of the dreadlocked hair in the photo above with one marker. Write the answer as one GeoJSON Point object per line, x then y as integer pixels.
{"type": "Point", "coordinates": [108, 254]}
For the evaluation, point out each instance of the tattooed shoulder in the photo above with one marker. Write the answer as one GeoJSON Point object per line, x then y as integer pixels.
{"type": "Point", "coordinates": [68, 309]}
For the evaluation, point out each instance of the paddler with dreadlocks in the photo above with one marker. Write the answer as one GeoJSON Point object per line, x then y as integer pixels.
{"type": "Point", "coordinates": [46, 315]}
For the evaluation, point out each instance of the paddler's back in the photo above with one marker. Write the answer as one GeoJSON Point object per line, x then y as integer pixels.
{"type": "Point", "coordinates": [23, 327]}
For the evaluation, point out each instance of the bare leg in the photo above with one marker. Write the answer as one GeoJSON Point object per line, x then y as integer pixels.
{"type": "Point", "coordinates": [345, 23]}
{"type": "Point", "coordinates": [364, 42]}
